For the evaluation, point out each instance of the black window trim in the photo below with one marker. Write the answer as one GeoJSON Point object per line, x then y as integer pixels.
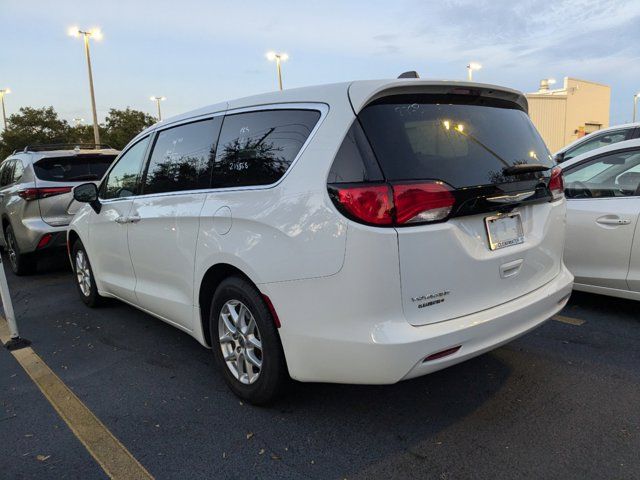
{"type": "Point", "coordinates": [322, 108]}
{"type": "Point", "coordinates": [596, 157]}
{"type": "Point", "coordinates": [136, 141]}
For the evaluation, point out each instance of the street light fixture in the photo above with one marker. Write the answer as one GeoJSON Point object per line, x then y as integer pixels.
{"type": "Point", "coordinates": [279, 58]}
{"type": "Point", "coordinates": [470, 68]}
{"type": "Point", "coordinates": [3, 92]}
{"type": "Point", "coordinates": [635, 105]}
{"type": "Point", "coordinates": [96, 34]}
{"type": "Point", "coordinates": [158, 100]}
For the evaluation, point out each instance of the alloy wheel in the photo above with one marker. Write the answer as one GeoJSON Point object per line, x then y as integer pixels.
{"type": "Point", "coordinates": [240, 341]}
{"type": "Point", "coordinates": [83, 273]}
{"type": "Point", "coordinates": [12, 249]}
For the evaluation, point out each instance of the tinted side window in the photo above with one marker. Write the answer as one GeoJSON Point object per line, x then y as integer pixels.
{"type": "Point", "coordinates": [6, 172]}
{"type": "Point", "coordinates": [182, 157]}
{"type": "Point", "coordinates": [124, 177]}
{"type": "Point", "coordinates": [257, 148]}
{"type": "Point", "coordinates": [355, 161]}
{"type": "Point", "coordinates": [18, 170]}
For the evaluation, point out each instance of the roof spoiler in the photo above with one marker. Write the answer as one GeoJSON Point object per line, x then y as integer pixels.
{"type": "Point", "coordinates": [409, 74]}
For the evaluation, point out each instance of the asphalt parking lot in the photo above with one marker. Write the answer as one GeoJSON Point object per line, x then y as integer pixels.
{"type": "Point", "coordinates": [561, 402]}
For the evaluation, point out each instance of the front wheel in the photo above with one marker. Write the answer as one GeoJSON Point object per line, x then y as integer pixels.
{"type": "Point", "coordinates": [245, 342]}
{"type": "Point", "coordinates": [84, 276]}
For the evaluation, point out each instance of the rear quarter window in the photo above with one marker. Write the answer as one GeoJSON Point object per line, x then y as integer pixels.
{"type": "Point", "coordinates": [75, 168]}
{"type": "Point", "coordinates": [257, 148]}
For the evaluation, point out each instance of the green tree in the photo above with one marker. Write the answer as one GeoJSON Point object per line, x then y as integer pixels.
{"type": "Point", "coordinates": [33, 126]}
{"type": "Point", "coordinates": [122, 125]}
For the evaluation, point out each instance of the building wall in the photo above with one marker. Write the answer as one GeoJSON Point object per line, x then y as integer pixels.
{"type": "Point", "coordinates": [548, 115]}
{"type": "Point", "coordinates": [566, 114]}
{"type": "Point", "coordinates": [587, 103]}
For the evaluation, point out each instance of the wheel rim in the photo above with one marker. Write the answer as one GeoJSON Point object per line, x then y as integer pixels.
{"type": "Point", "coordinates": [11, 249]}
{"type": "Point", "coordinates": [240, 341]}
{"type": "Point", "coordinates": [83, 273]}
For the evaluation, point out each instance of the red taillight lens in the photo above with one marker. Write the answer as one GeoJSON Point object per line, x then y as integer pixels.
{"type": "Point", "coordinates": [371, 204]}
{"type": "Point", "coordinates": [38, 193]}
{"type": "Point", "coordinates": [44, 241]}
{"type": "Point", "coordinates": [556, 184]}
{"type": "Point", "coordinates": [422, 202]}
{"type": "Point", "coordinates": [395, 204]}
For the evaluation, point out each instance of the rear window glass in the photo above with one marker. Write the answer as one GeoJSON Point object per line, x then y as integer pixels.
{"type": "Point", "coordinates": [257, 148]}
{"type": "Point", "coordinates": [461, 140]}
{"type": "Point", "coordinates": [76, 168]}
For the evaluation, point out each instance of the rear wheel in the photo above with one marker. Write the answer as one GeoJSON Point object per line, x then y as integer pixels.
{"type": "Point", "coordinates": [84, 276]}
{"type": "Point", "coordinates": [21, 263]}
{"type": "Point", "coordinates": [245, 342]}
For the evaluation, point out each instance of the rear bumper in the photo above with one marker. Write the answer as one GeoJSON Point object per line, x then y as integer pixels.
{"type": "Point", "coordinates": [394, 350]}
{"type": "Point", "coordinates": [30, 231]}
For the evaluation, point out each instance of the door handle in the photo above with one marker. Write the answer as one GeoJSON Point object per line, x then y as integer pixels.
{"type": "Point", "coordinates": [613, 220]}
{"type": "Point", "coordinates": [134, 219]}
{"type": "Point", "coordinates": [122, 219]}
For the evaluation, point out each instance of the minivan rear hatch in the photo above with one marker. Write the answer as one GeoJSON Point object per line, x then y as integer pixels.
{"type": "Point", "coordinates": [501, 235]}
{"type": "Point", "coordinates": [56, 177]}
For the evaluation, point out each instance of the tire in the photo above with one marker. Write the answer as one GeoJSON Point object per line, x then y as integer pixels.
{"type": "Point", "coordinates": [261, 384]}
{"type": "Point", "coordinates": [85, 282]}
{"type": "Point", "coordinates": [20, 263]}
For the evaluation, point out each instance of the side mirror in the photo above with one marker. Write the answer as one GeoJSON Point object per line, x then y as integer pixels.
{"type": "Point", "coordinates": [559, 158]}
{"type": "Point", "coordinates": [87, 193]}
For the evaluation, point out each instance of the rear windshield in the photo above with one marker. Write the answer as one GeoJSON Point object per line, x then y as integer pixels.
{"type": "Point", "coordinates": [73, 169]}
{"type": "Point", "coordinates": [459, 139]}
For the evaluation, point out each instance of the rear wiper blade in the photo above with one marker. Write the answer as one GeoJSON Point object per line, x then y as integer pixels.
{"type": "Point", "coordinates": [524, 168]}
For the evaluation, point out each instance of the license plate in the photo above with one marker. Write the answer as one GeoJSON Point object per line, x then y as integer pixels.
{"type": "Point", "coordinates": [504, 230]}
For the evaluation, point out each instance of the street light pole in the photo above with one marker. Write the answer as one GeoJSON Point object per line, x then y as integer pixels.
{"type": "Point", "coordinates": [97, 34]}
{"type": "Point", "coordinates": [158, 100]}
{"type": "Point", "coordinates": [279, 58]}
{"type": "Point", "coordinates": [4, 92]}
{"type": "Point", "coordinates": [635, 105]}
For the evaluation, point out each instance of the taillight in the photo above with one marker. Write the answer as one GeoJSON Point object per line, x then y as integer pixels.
{"type": "Point", "coordinates": [422, 202]}
{"type": "Point", "coordinates": [44, 192]}
{"type": "Point", "coordinates": [395, 204]}
{"type": "Point", "coordinates": [556, 184]}
{"type": "Point", "coordinates": [371, 204]}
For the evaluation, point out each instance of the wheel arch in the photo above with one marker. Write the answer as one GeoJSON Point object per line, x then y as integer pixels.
{"type": "Point", "coordinates": [212, 278]}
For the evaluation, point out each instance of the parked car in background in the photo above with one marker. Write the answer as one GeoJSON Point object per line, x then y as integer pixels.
{"type": "Point", "coordinates": [364, 232]}
{"type": "Point", "coordinates": [597, 139]}
{"type": "Point", "coordinates": [36, 199]}
{"type": "Point", "coordinates": [603, 203]}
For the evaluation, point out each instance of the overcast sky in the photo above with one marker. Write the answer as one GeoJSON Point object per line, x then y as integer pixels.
{"type": "Point", "coordinates": [198, 53]}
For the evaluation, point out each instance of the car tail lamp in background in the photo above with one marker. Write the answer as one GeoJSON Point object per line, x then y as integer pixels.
{"type": "Point", "coordinates": [44, 241]}
{"type": "Point", "coordinates": [44, 192]}
{"type": "Point", "coordinates": [394, 204]}
{"type": "Point", "coordinates": [556, 184]}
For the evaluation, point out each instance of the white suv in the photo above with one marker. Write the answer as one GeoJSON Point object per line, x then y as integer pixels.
{"type": "Point", "coordinates": [364, 232]}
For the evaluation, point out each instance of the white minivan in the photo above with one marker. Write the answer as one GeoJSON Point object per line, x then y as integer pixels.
{"type": "Point", "coordinates": [365, 232]}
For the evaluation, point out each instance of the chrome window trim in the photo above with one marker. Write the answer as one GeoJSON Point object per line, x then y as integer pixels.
{"type": "Point", "coordinates": [323, 108]}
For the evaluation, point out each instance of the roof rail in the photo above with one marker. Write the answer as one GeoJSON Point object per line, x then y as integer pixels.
{"type": "Point", "coordinates": [65, 146]}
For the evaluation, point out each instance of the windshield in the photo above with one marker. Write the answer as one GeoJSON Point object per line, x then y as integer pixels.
{"type": "Point", "coordinates": [459, 139]}
{"type": "Point", "coordinates": [75, 168]}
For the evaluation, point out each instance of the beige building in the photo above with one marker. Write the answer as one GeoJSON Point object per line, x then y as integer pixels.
{"type": "Point", "coordinates": [565, 114]}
